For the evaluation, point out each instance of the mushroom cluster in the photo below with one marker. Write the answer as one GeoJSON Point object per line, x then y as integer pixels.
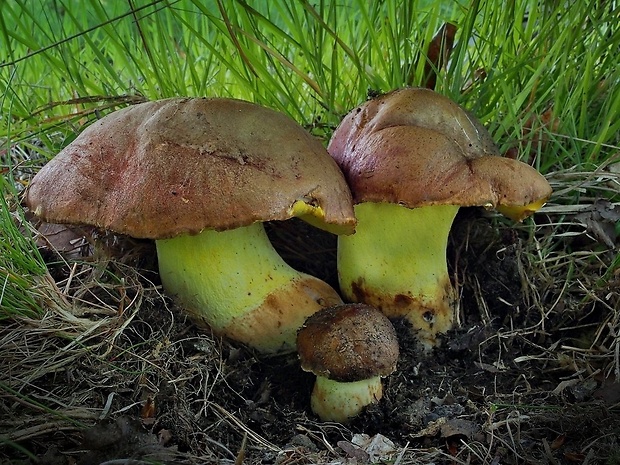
{"type": "Point", "coordinates": [199, 176]}
{"type": "Point", "coordinates": [411, 158]}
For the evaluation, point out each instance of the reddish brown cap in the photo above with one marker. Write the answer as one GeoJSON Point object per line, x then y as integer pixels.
{"type": "Point", "coordinates": [347, 343]}
{"type": "Point", "coordinates": [415, 147]}
{"type": "Point", "coordinates": [174, 166]}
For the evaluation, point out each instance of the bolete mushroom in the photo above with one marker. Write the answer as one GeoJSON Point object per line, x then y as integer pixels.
{"type": "Point", "coordinates": [412, 157]}
{"type": "Point", "coordinates": [349, 348]}
{"type": "Point", "coordinates": [199, 176]}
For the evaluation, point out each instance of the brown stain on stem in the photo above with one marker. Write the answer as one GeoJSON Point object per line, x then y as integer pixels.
{"type": "Point", "coordinates": [428, 317]}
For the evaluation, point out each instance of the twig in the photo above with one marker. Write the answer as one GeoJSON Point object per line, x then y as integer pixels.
{"type": "Point", "coordinates": [39, 430]}
{"type": "Point", "coordinates": [238, 423]}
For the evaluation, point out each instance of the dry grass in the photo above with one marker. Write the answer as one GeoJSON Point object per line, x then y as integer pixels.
{"type": "Point", "coordinates": [526, 372]}
{"type": "Point", "coordinates": [575, 272]}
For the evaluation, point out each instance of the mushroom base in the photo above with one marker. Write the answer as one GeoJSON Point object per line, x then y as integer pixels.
{"type": "Point", "coordinates": [396, 261]}
{"type": "Point", "coordinates": [341, 402]}
{"type": "Point", "coordinates": [235, 283]}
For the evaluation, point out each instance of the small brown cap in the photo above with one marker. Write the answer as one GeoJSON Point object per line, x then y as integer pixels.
{"type": "Point", "coordinates": [347, 343]}
{"type": "Point", "coordinates": [181, 165]}
{"type": "Point", "coordinates": [415, 147]}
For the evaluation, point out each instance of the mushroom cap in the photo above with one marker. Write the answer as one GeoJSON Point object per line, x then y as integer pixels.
{"type": "Point", "coordinates": [415, 147]}
{"type": "Point", "coordinates": [349, 342]}
{"type": "Point", "coordinates": [175, 166]}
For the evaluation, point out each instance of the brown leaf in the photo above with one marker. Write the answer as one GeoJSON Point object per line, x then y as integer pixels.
{"type": "Point", "coordinates": [558, 442]}
{"type": "Point", "coordinates": [69, 241]}
{"type": "Point", "coordinates": [577, 457]}
{"type": "Point", "coordinates": [432, 429]}
{"type": "Point", "coordinates": [353, 451]}
{"type": "Point", "coordinates": [600, 221]}
{"type": "Point", "coordinates": [148, 409]}
{"type": "Point", "coordinates": [458, 427]}
{"type": "Point", "coordinates": [609, 392]}
{"type": "Point", "coordinates": [438, 53]}
{"type": "Point", "coordinates": [452, 447]}
{"type": "Point", "coordinates": [125, 437]}
{"type": "Point", "coordinates": [164, 436]}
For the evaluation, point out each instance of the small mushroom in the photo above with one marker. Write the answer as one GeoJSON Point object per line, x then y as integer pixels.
{"type": "Point", "coordinates": [412, 157]}
{"type": "Point", "coordinates": [199, 176]}
{"type": "Point", "coordinates": [349, 348]}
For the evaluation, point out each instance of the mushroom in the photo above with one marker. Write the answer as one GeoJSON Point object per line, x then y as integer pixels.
{"type": "Point", "coordinates": [412, 157]}
{"type": "Point", "coordinates": [349, 348]}
{"type": "Point", "coordinates": [199, 176]}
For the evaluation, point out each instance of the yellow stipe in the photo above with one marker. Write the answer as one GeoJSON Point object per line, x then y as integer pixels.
{"type": "Point", "coordinates": [225, 274]}
{"type": "Point", "coordinates": [336, 401]}
{"type": "Point", "coordinates": [396, 261]}
{"type": "Point", "coordinates": [397, 250]}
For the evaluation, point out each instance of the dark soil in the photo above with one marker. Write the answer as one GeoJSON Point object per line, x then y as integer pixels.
{"type": "Point", "coordinates": [498, 390]}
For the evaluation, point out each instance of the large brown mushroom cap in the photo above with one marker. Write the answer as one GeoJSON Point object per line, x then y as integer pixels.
{"type": "Point", "coordinates": [164, 168]}
{"type": "Point", "coordinates": [415, 147]}
{"type": "Point", "coordinates": [347, 343]}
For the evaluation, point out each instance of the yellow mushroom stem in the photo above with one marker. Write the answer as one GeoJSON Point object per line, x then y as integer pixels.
{"type": "Point", "coordinates": [238, 285]}
{"type": "Point", "coordinates": [396, 261]}
{"type": "Point", "coordinates": [341, 401]}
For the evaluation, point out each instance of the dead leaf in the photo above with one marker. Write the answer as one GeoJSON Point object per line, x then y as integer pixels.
{"type": "Point", "coordinates": [453, 447]}
{"type": "Point", "coordinates": [539, 121]}
{"type": "Point", "coordinates": [69, 241]}
{"type": "Point", "coordinates": [123, 438]}
{"type": "Point", "coordinates": [609, 392]}
{"type": "Point", "coordinates": [558, 442]}
{"type": "Point", "coordinates": [583, 390]}
{"type": "Point", "coordinates": [147, 412]}
{"type": "Point", "coordinates": [354, 451]}
{"type": "Point", "coordinates": [614, 167]}
{"type": "Point", "coordinates": [438, 53]}
{"type": "Point", "coordinates": [459, 427]}
{"type": "Point", "coordinates": [488, 367]}
{"type": "Point", "coordinates": [535, 131]}
{"type": "Point", "coordinates": [378, 447]}
{"type": "Point", "coordinates": [576, 457]}
{"type": "Point", "coordinates": [600, 220]}
{"type": "Point", "coordinates": [563, 385]}
{"type": "Point", "coordinates": [432, 429]}
{"type": "Point", "coordinates": [164, 436]}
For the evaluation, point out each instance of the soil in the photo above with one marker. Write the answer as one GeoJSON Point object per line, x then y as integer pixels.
{"type": "Point", "coordinates": [505, 387]}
